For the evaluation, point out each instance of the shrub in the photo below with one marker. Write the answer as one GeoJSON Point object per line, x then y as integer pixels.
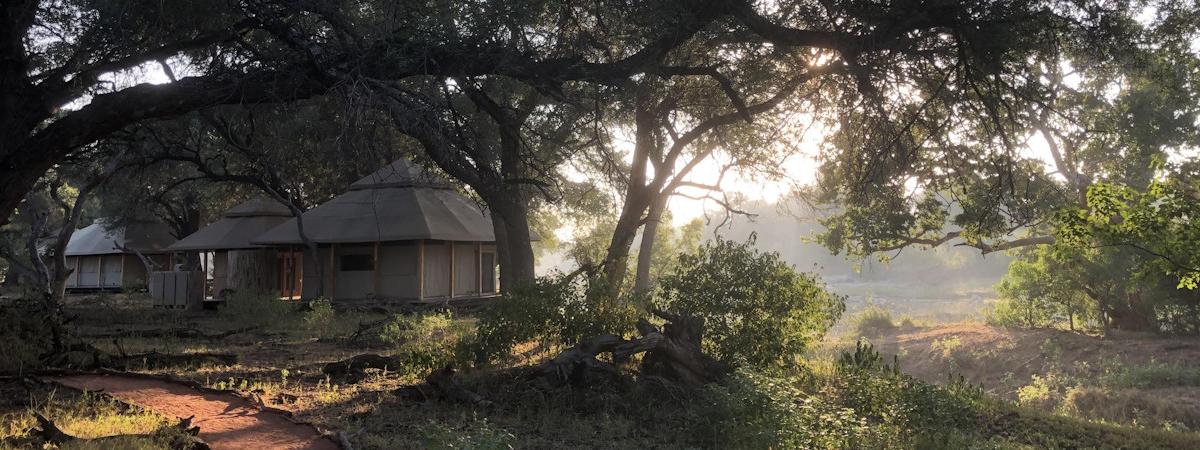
{"type": "Point", "coordinates": [258, 309]}
{"type": "Point", "coordinates": [752, 410]}
{"type": "Point", "coordinates": [874, 322]}
{"type": "Point", "coordinates": [23, 336]}
{"type": "Point", "coordinates": [757, 309]}
{"type": "Point", "coordinates": [552, 311]}
{"type": "Point", "coordinates": [319, 316]}
{"type": "Point", "coordinates": [423, 341]}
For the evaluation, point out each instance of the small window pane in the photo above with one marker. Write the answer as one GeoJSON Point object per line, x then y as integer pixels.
{"type": "Point", "coordinates": [357, 263]}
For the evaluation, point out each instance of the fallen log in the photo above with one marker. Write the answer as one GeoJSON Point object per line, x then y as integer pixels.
{"type": "Point", "coordinates": [97, 359]}
{"type": "Point", "coordinates": [183, 435]}
{"type": "Point", "coordinates": [672, 353]}
{"type": "Point", "coordinates": [355, 367]}
{"type": "Point", "coordinates": [164, 360]}
{"type": "Point", "coordinates": [181, 333]}
{"type": "Point", "coordinates": [441, 384]}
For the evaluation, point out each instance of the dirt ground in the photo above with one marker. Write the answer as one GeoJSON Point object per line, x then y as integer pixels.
{"type": "Point", "coordinates": [1080, 367]}
{"type": "Point", "coordinates": [225, 421]}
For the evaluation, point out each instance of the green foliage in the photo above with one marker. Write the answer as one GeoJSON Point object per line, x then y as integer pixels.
{"type": "Point", "coordinates": [23, 336]}
{"type": "Point", "coordinates": [423, 341]}
{"type": "Point", "coordinates": [757, 309]}
{"type": "Point", "coordinates": [134, 285]}
{"type": "Point", "coordinates": [874, 321]}
{"type": "Point", "coordinates": [1151, 375]}
{"type": "Point", "coordinates": [480, 435]}
{"type": "Point", "coordinates": [864, 358]}
{"type": "Point", "coordinates": [551, 311]}
{"type": "Point", "coordinates": [751, 410]}
{"type": "Point", "coordinates": [259, 309]}
{"type": "Point", "coordinates": [319, 316]}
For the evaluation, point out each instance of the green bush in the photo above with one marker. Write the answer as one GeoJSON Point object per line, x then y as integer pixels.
{"type": "Point", "coordinates": [552, 311]}
{"type": "Point", "coordinates": [751, 410]}
{"type": "Point", "coordinates": [423, 341]}
{"type": "Point", "coordinates": [259, 309]}
{"type": "Point", "coordinates": [23, 336]}
{"type": "Point", "coordinates": [874, 322]}
{"type": "Point", "coordinates": [757, 309]}
{"type": "Point", "coordinates": [319, 316]}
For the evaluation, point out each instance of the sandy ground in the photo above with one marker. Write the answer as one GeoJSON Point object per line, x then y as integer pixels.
{"type": "Point", "coordinates": [988, 355]}
{"type": "Point", "coordinates": [225, 421]}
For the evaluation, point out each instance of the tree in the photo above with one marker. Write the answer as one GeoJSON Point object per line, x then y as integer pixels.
{"type": "Point", "coordinates": [1105, 112]}
{"type": "Point", "coordinates": [58, 92]}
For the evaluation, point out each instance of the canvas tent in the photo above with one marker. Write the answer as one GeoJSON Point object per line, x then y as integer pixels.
{"type": "Point", "coordinates": [399, 233]}
{"type": "Point", "coordinates": [239, 264]}
{"type": "Point", "coordinates": [105, 258]}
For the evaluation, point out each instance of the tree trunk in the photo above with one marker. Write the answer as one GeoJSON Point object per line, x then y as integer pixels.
{"type": "Point", "coordinates": [514, 247]}
{"type": "Point", "coordinates": [641, 284]}
{"type": "Point", "coordinates": [673, 353]}
{"type": "Point", "coordinates": [252, 272]}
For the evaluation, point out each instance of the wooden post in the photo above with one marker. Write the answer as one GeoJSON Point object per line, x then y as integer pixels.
{"type": "Point", "coordinates": [420, 269]}
{"type": "Point", "coordinates": [77, 270]}
{"type": "Point", "coordinates": [332, 271]}
{"type": "Point", "coordinates": [479, 268]}
{"type": "Point", "coordinates": [375, 263]}
{"type": "Point", "coordinates": [452, 252]}
{"type": "Point", "coordinates": [100, 275]}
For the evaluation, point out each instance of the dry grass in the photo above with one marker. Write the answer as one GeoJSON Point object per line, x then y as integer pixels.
{"type": "Point", "coordinates": [282, 366]}
{"type": "Point", "coordinates": [82, 415]}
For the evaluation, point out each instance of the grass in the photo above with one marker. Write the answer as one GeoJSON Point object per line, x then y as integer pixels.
{"type": "Point", "coordinates": [873, 321]}
{"type": "Point", "coordinates": [82, 415]}
{"type": "Point", "coordinates": [1151, 375]}
{"type": "Point", "coordinates": [813, 406]}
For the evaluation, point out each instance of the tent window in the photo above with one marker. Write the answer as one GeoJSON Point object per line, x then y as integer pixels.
{"type": "Point", "coordinates": [356, 263]}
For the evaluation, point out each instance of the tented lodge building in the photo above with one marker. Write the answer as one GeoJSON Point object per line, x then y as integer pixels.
{"type": "Point", "coordinates": [104, 257]}
{"type": "Point", "coordinates": [399, 233]}
{"type": "Point", "coordinates": [238, 264]}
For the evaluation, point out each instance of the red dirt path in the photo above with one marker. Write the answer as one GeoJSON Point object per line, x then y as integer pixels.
{"type": "Point", "coordinates": [225, 421]}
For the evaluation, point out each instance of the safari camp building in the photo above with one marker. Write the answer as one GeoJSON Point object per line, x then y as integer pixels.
{"type": "Point", "coordinates": [399, 233]}
{"type": "Point", "coordinates": [238, 264]}
{"type": "Point", "coordinates": [110, 258]}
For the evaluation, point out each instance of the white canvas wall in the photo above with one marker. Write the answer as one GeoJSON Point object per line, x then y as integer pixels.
{"type": "Point", "coordinates": [111, 270]}
{"type": "Point", "coordinates": [398, 270]}
{"type": "Point", "coordinates": [89, 271]}
{"type": "Point", "coordinates": [466, 269]}
{"type": "Point", "coordinates": [437, 269]}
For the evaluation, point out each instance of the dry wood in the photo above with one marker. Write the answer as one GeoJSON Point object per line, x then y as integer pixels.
{"type": "Point", "coordinates": [355, 367]}
{"type": "Point", "coordinates": [183, 333]}
{"type": "Point", "coordinates": [442, 384]}
{"type": "Point", "coordinates": [673, 353]}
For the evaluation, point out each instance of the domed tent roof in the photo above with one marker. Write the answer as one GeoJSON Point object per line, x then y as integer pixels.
{"type": "Point", "coordinates": [238, 226]}
{"type": "Point", "coordinates": [397, 203]}
{"type": "Point", "coordinates": [96, 239]}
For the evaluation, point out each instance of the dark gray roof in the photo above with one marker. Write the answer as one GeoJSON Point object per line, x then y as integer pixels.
{"type": "Point", "coordinates": [95, 239]}
{"type": "Point", "coordinates": [397, 203]}
{"type": "Point", "coordinates": [240, 225]}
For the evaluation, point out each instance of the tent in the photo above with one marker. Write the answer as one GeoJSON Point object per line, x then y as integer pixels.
{"type": "Point", "coordinates": [110, 257]}
{"type": "Point", "coordinates": [229, 239]}
{"type": "Point", "coordinates": [399, 233]}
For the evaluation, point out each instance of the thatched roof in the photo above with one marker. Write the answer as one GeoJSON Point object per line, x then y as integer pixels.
{"type": "Point", "coordinates": [144, 237]}
{"type": "Point", "coordinates": [397, 203]}
{"type": "Point", "coordinates": [237, 227]}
